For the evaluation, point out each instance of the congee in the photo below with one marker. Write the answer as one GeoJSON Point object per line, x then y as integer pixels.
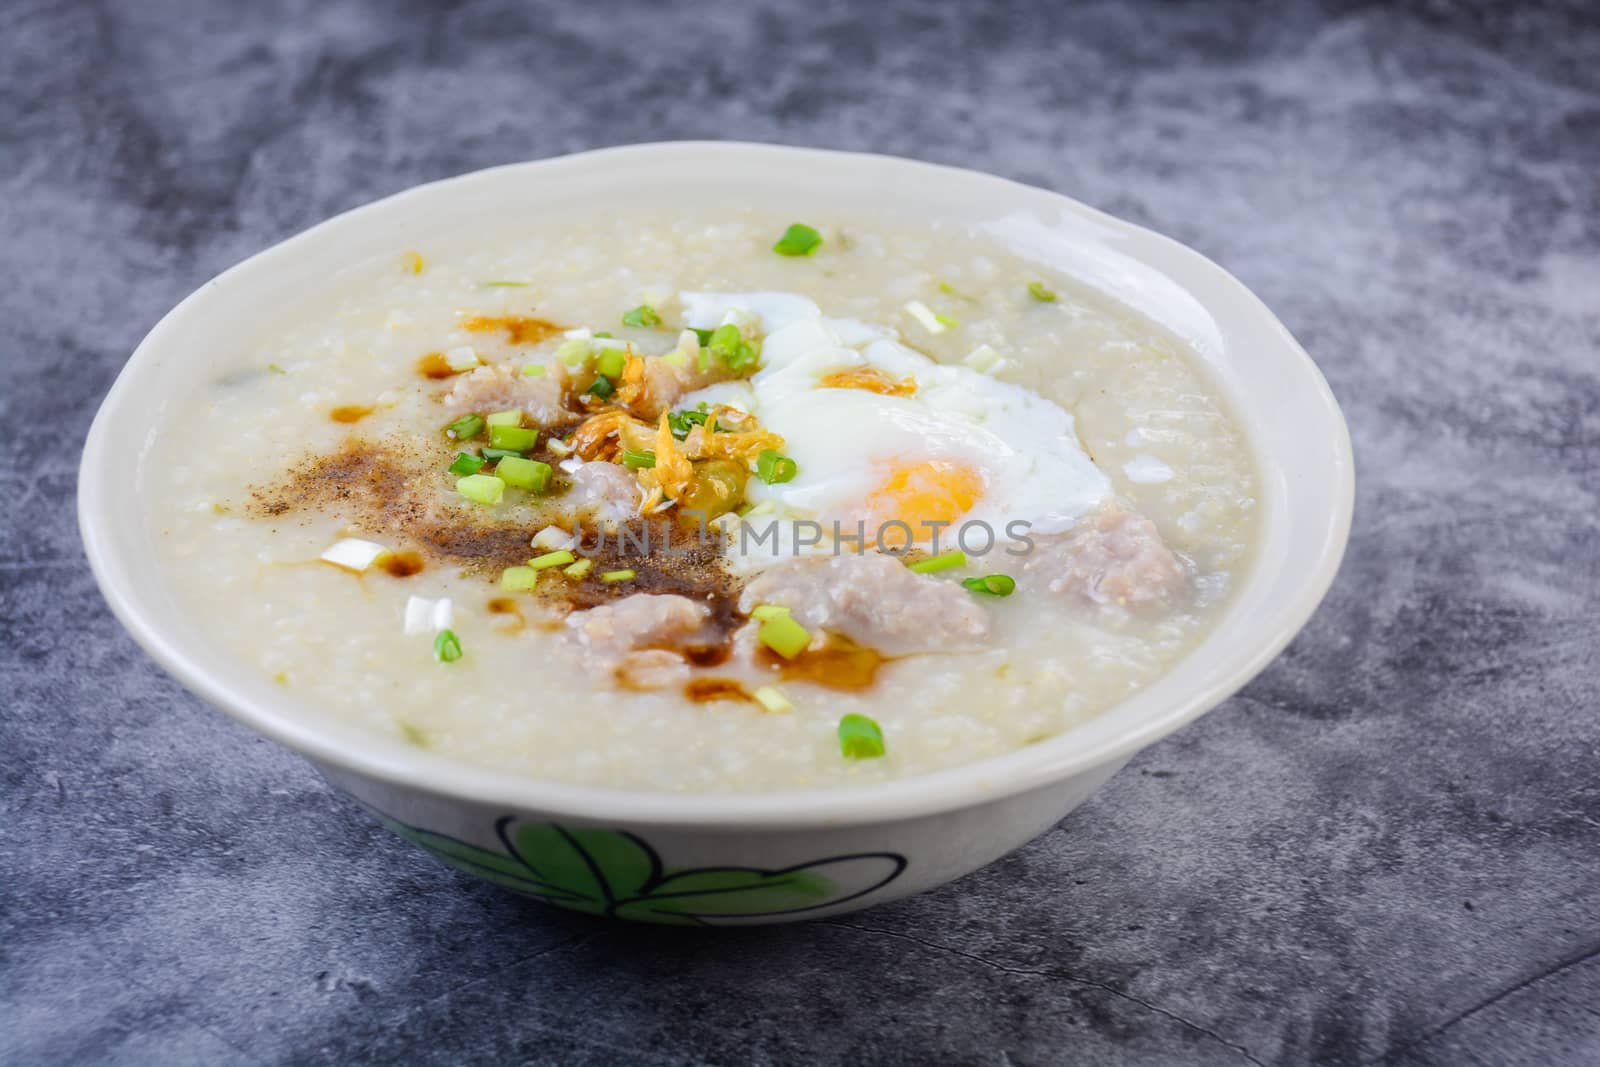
{"type": "Point", "coordinates": [707, 503]}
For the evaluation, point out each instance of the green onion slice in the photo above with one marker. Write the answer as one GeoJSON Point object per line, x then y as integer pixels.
{"type": "Point", "coordinates": [768, 611]}
{"type": "Point", "coordinates": [447, 646]}
{"type": "Point", "coordinates": [798, 240]}
{"type": "Point", "coordinates": [495, 455]}
{"type": "Point", "coordinates": [481, 488]}
{"type": "Point", "coordinates": [860, 737]}
{"type": "Point", "coordinates": [513, 437]}
{"type": "Point", "coordinates": [942, 562]}
{"type": "Point", "coordinates": [1038, 291]}
{"type": "Point", "coordinates": [619, 576]}
{"type": "Point", "coordinates": [504, 418]}
{"type": "Point", "coordinates": [703, 335]}
{"type": "Point", "coordinates": [784, 636]}
{"type": "Point", "coordinates": [465, 428]}
{"type": "Point", "coordinates": [528, 474]}
{"type": "Point", "coordinates": [602, 387]}
{"type": "Point", "coordinates": [729, 345]}
{"type": "Point", "coordinates": [533, 370]}
{"type": "Point", "coordinates": [465, 464]}
{"type": "Point", "coordinates": [773, 467]}
{"type": "Point", "coordinates": [643, 315]}
{"type": "Point", "coordinates": [772, 698]}
{"type": "Point", "coordinates": [992, 584]}
{"type": "Point", "coordinates": [644, 457]}
{"type": "Point", "coordinates": [681, 422]}
{"type": "Point", "coordinates": [559, 558]}
{"type": "Point", "coordinates": [611, 362]}
{"type": "Point", "coordinates": [519, 579]}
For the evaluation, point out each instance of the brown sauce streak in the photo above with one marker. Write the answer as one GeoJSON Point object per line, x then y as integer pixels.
{"type": "Point", "coordinates": [434, 366]}
{"type": "Point", "coordinates": [402, 564]}
{"type": "Point", "coordinates": [351, 412]}
{"type": "Point", "coordinates": [839, 664]}
{"type": "Point", "coordinates": [520, 329]}
{"type": "Point", "coordinates": [706, 690]}
{"type": "Point", "coordinates": [508, 606]}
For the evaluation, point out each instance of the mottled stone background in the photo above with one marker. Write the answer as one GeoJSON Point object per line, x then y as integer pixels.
{"type": "Point", "coordinates": [1386, 849]}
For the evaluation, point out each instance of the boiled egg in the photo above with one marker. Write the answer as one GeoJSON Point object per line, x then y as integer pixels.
{"type": "Point", "coordinates": [885, 437]}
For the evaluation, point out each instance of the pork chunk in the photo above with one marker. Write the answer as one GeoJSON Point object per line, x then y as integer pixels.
{"type": "Point", "coordinates": [624, 640]}
{"type": "Point", "coordinates": [1113, 557]}
{"type": "Point", "coordinates": [874, 600]}
{"type": "Point", "coordinates": [604, 493]}
{"type": "Point", "coordinates": [503, 387]}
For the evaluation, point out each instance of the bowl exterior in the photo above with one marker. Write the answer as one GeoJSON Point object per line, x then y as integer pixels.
{"type": "Point", "coordinates": [704, 876]}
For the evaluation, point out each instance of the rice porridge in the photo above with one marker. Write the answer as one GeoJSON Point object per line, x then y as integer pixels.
{"type": "Point", "coordinates": [707, 503]}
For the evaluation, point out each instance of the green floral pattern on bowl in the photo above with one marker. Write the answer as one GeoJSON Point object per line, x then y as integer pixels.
{"type": "Point", "coordinates": [616, 873]}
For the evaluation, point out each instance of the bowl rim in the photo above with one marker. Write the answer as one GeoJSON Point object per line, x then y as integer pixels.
{"type": "Point", "coordinates": [1036, 766]}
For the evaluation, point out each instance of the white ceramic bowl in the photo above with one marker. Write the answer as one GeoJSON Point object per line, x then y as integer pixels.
{"type": "Point", "coordinates": [777, 856]}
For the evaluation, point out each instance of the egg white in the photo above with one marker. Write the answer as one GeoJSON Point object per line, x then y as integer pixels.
{"type": "Point", "coordinates": [847, 442]}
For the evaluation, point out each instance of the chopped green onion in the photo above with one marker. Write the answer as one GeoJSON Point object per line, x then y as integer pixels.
{"type": "Point", "coordinates": [447, 647]}
{"type": "Point", "coordinates": [942, 562]}
{"type": "Point", "coordinates": [602, 387]}
{"type": "Point", "coordinates": [611, 362]}
{"type": "Point", "coordinates": [784, 636]}
{"type": "Point", "coordinates": [773, 467]}
{"type": "Point", "coordinates": [506, 285]}
{"type": "Point", "coordinates": [578, 569]}
{"type": "Point", "coordinates": [703, 336]}
{"type": "Point", "coordinates": [924, 314]}
{"type": "Point", "coordinates": [681, 422]}
{"type": "Point", "coordinates": [504, 418]}
{"type": "Point", "coordinates": [947, 321]}
{"type": "Point", "coordinates": [643, 315]}
{"type": "Point", "coordinates": [275, 369]}
{"type": "Point", "coordinates": [949, 290]}
{"type": "Point", "coordinates": [465, 464]}
{"type": "Point", "coordinates": [603, 334]}
{"type": "Point", "coordinates": [1040, 293]}
{"type": "Point", "coordinates": [676, 358]}
{"type": "Point", "coordinates": [860, 738]}
{"type": "Point", "coordinates": [634, 460]}
{"type": "Point", "coordinates": [558, 558]}
{"type": "Point", "coordinates": [986, 360]}
{"type": "Point", "coordinates": [798, 240]}
{"type": "Point", "coordinates": [463, 358]}
{"type": "Point", "coordinates": [771, 698]}
{"type": "Point", "coordinates": [353, 554]}
{"type": "Point", "coordinates": [465, 428]}
{"type": "Point", "coordinates": [519, 579]}
{"type": "Point", "coordinates": [481, 488]}
{"type": "Point", "coordinates": [495, 455]}
{"type": "Point", "coordinates": [512, 437]}
{"type": "Point", "coordinates": [573, 352]}
{"type": "Point", "coordinates": [552, 538]}
{"type": "Point", "coordinates": [992, 584]}
{"type": "Point", "coordinates": [729, 345]}
{"type": "Point", "coordinates": [768, 611]}
{"type": "Point", "coordinates": [533, 370]}
{"type": "Point", "coordinates": [522, 473]}
{"type": "Point", "coordinates": [619, 576]}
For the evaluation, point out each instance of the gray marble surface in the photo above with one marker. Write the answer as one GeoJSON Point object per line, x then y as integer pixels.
{"type": "Point", "coordinates": [1386, 849]}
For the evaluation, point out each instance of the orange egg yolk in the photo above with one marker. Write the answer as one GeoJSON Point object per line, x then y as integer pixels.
{"type": "Point", "coordinates": [933, 491]}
